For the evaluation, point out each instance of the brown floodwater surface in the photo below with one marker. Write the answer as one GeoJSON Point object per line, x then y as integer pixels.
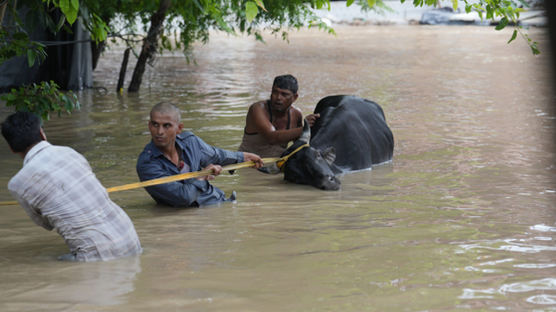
{"type": "Point", "coordinates": [463, 218]}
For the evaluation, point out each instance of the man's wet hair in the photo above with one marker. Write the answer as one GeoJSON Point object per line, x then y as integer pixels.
{"type": "Point", "coordinates": [286, 82]}
{"type": "Point", "coordinates": [167, 108]}
{"type": "Point", "coordinates": [22, 130]}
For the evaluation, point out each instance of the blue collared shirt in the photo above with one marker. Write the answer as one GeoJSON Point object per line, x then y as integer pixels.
{"type": "Point", "coordinates": [197, 154]}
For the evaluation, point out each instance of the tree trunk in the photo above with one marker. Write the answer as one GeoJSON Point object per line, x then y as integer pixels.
{"type": "Point", "coordinates": [150, 45]}
{"type": "Point", "coordinates": [3, 5]}
{"type": "Point", "coordinates": [123, 69]}
{"type": "Point", "coordinates": [96, 50]}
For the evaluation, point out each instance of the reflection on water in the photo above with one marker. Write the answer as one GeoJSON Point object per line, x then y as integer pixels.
{"type": "Point", "coordinates": [462, 219]}
{"type": "Point", "coordinates": [63, 285]}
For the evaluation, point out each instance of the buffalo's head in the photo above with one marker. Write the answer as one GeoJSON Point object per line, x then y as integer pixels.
{"type": "Point", "coordinates": [310, 165]}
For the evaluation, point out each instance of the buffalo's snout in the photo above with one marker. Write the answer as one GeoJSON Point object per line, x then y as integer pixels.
{"type": "Point", "coordinates": [330, 183]}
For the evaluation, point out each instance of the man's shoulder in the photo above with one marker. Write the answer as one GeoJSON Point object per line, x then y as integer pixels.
{"type": "Point", "coordinates": [64, 149]}
{"type": "Point", "coordinates": [296, 112]}
{"type": "Point", "coordinates": [186, 135]}
{"type": "Point", "coordinates": [149, 151]}
{"type": "Point", "coordinates": [295, 109]}
{"type": "Point", "coordinates": [45, 155]}
{"type": "Point", "coordinates": [15, 182]}
{"type": "Point", "coordinates": [27, 176]}
{"type": "Point", "coordinates": [259, 104]}
{"type": "Point", "coordinates": [188, 139]}
{"type": "Point", "coordinates": [257, 110]}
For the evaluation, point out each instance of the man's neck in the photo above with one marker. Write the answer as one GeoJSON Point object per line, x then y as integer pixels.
{"type": "Point", "coordinates": [24, 153]}
{"type": "Point", "coordinates": [171, 152]}
{"type": "Point", "coordinates": [280, 114]}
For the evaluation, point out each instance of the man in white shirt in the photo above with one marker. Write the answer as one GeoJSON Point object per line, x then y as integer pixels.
{"type": "Point", "coordinates": [58, 190]}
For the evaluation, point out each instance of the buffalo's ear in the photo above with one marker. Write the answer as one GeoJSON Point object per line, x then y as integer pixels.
{"type": "Point", "coordinates": [329, 155]}
{"type": "Point", "coordinates": [306, 135]}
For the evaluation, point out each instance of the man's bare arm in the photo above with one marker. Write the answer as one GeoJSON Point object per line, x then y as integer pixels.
{"type": "Point", "coordinates": [259, 118]}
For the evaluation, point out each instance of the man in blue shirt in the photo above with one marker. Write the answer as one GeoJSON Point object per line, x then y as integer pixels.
{"type": "Point", "coordinates": [172, 151]}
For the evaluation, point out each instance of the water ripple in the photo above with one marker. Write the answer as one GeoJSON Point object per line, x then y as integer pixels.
{"type": "Point", "coordinates": [546, 284]}
{"type": "Point", "coordinates": [535, 265]}
{"type": "Point", "coordinates": [511, 244]}
{"type": "Point", "coordinates": [542, 284]}
{"type": "Point", "coordinates": [477, 293]}
{"type": "Point", "coordinates": [542, 299]}
{"type": "Point", "coordinates": [543, 228]}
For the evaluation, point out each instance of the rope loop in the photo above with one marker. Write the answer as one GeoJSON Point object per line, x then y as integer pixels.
{"type": "Point", "coordinates": [280, 163]}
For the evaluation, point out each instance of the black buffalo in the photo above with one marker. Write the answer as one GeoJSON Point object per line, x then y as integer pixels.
{"type": "Point", "coordinates": [351, 134]}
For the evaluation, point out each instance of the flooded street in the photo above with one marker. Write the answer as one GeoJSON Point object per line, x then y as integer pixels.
{"type": "Point", "coordinates": [463, 218]}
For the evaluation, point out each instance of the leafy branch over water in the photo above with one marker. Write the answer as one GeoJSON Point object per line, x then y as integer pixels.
{"type": "Point", "coordinates": [42, 99]}
{"type": "Point", "coordinates": [507, 11]}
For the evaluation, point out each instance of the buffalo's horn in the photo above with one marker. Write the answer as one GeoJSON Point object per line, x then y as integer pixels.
{"type": "Point", "coordinates": [306, 135]}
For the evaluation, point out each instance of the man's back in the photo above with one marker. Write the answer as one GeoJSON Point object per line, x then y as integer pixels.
{"type": "Point", "coordinates": [58, 189]}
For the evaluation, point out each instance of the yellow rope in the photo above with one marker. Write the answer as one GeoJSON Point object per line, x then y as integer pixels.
{"type": "Point", "coordinates": [9, 203]}
{"type": "Point", "coordinates": [183, 176]}
{"type": "Point", "coordinates": [188, 175]}
{"type": "Point", "coordinates": [280, 162]}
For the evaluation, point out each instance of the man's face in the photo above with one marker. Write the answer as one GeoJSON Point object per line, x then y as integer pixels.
{"type": "Point", "coordinates": [281, 99]}
{"type": "Point", "coordinates": [164, 128]}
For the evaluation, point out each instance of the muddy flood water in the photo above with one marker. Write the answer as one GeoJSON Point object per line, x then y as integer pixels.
{"type": "Point", "coordinates": [463, 218]}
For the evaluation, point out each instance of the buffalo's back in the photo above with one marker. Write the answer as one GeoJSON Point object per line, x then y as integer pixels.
{"type": "Point", "coordinates": [356, 128]}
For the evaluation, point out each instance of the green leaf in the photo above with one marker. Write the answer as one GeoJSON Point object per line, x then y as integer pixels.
{"type": "Point", "coordinates": [75, 5]}
{"type": "Point", "coordinates": [514, 35]}
{"type": "Point", "coordinates": [251, 11]}
{"type": "Point", "coordinates": [349, 2]}
{"type": "Point", "coordinates": [42, 99]}
{"type": "Point", "coordinates": [9, 97]}
{"type": "Point", "coordinates": [20, 35]}
{"type": "Point", "coordinates": [534, 49]}
{"type": "Point", "coordinates": [467, 8]}
{"type": "Point", "coordinates": [196, 2]}
{"type": "Point", "coordinates": [319, 5]}
{"type": "Point", "coordinates": [371, 3]}
{"type": "Point", "coordinates": [455, 5]}
{"type": "Point", "coordinates": [489, 12]}
{"type": "Point", "coordinates": [61, 22]}
{"type": "Point", "coordinates": [503, 23]}
{"type": "Point", "coordinates": [261, 5]}
{"type": "Point", "coordinates": [31, 58]}
{"type": "Point", "coordinates": [64, 6]}
{"type": "Point", "coordinates": [70, 9]}
{"type": "Point", "coordinates": [71, 17]}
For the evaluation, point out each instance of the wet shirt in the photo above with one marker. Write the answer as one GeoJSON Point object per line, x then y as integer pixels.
{"type": "Point", "coordinates": [196, 155]}
{"type": "Point", "coordinates": [58, 190]}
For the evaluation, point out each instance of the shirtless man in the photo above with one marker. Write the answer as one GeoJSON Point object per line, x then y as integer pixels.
{"type": "Point", "coordinates": [271, 124]}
